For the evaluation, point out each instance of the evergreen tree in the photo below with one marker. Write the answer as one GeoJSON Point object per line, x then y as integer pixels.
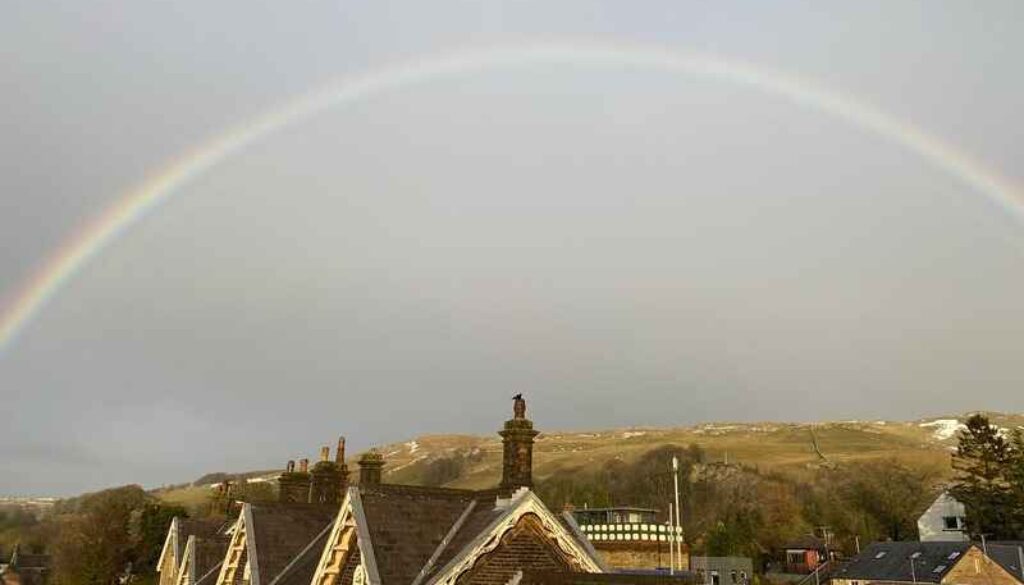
{"type": "Point", "coordinates": [1015, 479]}
{"type": "Point", "coordinates": [981, 462]}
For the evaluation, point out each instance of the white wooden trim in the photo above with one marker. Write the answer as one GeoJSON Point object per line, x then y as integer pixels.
{"type": "Point", "coordinates": [363, 532]}
{"type": "Point", "coordinates": [522, 503]}
{"type": "Point", "coordinates": [250, 546]}
{"type": "Point", "coordinates": [172, 532]}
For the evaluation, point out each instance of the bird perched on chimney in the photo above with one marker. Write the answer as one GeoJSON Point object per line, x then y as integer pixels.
{"type": "Point", "coordinates": [518, 406]}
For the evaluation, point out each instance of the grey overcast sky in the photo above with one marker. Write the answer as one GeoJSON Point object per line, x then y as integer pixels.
{"type": "Point", "coordinates": [625, 246]}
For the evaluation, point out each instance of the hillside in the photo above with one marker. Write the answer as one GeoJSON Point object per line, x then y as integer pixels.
{"type": "Point", "coordinates": [475, 461]}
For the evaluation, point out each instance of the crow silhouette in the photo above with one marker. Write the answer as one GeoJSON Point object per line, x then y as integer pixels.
{"type": "Point", "coordinates": [518, 396]}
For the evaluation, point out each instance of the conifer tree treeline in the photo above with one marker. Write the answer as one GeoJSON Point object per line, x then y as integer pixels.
{"type": "Point", "coordinates": [989, 467]}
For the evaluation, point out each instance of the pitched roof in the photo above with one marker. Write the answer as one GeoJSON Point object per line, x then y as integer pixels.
{"type": "Point", "coordinates": [207, 554]}
{"type": "Point", "coordinates": [407, 524]}
{"type": "Point", "coordinates": [300, 570]}
{"type": "Point", "coordinates": [279, 532]}
{"type": "Point", "coordinates": [181, 529]}
{"type": "Point", "coordinates": [417, 535]}
{"type": "Point", "coordinates": [1008, 555]}
{"type": "Point", "coordinates": [805, 542]}
{"type": "Point", "coordinates": [891, 561]}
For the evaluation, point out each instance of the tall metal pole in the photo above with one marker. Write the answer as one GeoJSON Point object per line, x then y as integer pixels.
{"type": "Point", "coordinates": [679, 525]}
{"type": "Point", "coordinates": [671, 543]}
{"type": "Point", "coordinates": [913, 573]}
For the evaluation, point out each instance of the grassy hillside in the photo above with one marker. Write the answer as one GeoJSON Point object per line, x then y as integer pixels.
{"type": "Point", "coordinates": [475, 461]}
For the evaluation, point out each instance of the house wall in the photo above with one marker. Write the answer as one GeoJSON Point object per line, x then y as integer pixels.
{"type": "Point", "coordinates": [931, 526]}
{"type": "Point", "coordinates": [723, 570]}
{"type": "Point", "coordinates": [638, 555]}
{"type": "Point", "coordinates": [975, 568]}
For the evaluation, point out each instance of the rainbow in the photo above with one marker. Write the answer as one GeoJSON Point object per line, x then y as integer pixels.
{"type": "Point", "coordinates": [77, 250]}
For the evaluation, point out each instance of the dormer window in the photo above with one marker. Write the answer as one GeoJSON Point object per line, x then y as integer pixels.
{"type": "Point", "coordinates": [952, 523]}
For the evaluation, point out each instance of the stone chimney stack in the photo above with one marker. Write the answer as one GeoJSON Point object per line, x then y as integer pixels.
{"type": "Point", "coordinates": [293, 486]}
{"type": "Point", "coordinates": [370, 466]}
{"type": "Point", "coordinates": [517, 443]}
{"type": "Point", "coordinates": [325, 480]}
{"type": "Point", "coordinates": [303, 465]}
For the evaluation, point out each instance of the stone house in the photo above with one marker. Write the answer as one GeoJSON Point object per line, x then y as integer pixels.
{"type": "Point", "coordinates": [946, 563]}
{"type": "Point", "coordinates": [325, 532]}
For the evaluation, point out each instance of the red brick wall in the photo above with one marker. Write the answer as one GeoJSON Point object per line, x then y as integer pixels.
{"type": "Point", "coordinates": [525, 546]}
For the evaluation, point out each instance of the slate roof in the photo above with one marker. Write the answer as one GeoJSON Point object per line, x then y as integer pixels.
{"type": "Point", "coordinates": [806, 542]}
{"type": "Point", "coordinates": [891, 561]}
{"type": "Point", "coordinates": [208, 554]}
{"type": "Point", "coordinates": [281, 531]}
{"type": "Point", "coordinates": [1007, 555]}
{"type": "Point", "coordinates": [407, 525]}
{"type": "Point", "coordinates": [187, 527]}
{"type": "Point", "coordinates": [300, 570]}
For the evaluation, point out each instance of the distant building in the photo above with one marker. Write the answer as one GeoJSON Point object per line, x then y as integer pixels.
{"type": "Point", "coordinates": [620, 515]}
{"type": "Point", "coordinates": [805, 555]}
{"type": "Point", "coordinates": [24, 569]}
{"type": "Point", "coordinates": [946, 563]}
{"type": "Point", "coordinates": [722, 570]}
{"type": "Point", "coordinates": [630, 538]}
{"type": "Point", "coordinates": [943, 521]}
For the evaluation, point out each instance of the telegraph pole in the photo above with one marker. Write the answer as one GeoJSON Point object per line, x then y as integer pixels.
{"type": "Point", "coordinates": [671, 543]}
{"type": "Point", "coordinates": [679, 526]}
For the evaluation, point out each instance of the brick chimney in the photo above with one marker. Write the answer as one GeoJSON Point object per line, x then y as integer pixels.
{"type": "Point", "coordinates": [293, 486]}
{"type": "Point", "coordinates": [517, 448]}
{"type": "Point", "coordinates": [370, 465]}
{"type": "Point", "coordinates": [325, 480]}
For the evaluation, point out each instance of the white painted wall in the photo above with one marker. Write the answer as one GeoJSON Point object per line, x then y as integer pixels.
{"type": "Point", "coordinates": [931, 526]}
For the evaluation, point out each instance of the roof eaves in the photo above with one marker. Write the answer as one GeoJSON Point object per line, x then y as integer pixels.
{"type": "Point", "coordinates": [250, 545]}
{"type": "Point", "coordinates": [168, 540]}
{"type": "Point", "coordinates": [363, 532]}
{"type": "Point", "coordinates": [574, 527]}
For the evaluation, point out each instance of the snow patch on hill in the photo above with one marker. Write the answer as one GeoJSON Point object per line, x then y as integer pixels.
{"type": "Point", "coordinates": [945, 428]}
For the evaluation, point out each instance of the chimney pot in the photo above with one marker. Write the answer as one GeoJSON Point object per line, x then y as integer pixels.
{"type": "Point", "coordinates": [303, 465]}
{"type": "Point", "coordinates": [325, 453]}
{"type": "Point", "coordinates": [339, 456]}
{"type": "Point", "coordinates": [290, 468]}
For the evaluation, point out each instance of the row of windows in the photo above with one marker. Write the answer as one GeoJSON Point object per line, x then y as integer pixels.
{"type": "Point", "coordinates": [630, 528]}
{"type": "Point", "coordinates": [736, 578]}
{"type": "Point", "coordinates": [634, 536]}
